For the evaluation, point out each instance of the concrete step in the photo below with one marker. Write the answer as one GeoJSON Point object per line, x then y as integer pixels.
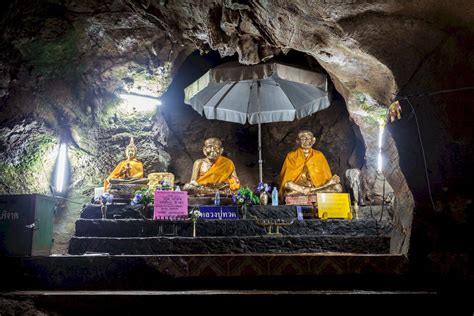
{"type": "Point", "coordinates": [229, 245]}
{"type": "Point", "coordinates": [328, 271]}
{"type": "Point", "coordinates": [144, 302]}
{"type": "Point", "coordinates": [132, 285]}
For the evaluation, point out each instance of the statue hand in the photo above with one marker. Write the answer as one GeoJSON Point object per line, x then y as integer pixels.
{"type": "Point", "coordinates": [126, 171]}
{"type": "Point", "coordinates": [334, 180]}
{"type": "Point", "coordinates": [222, 186]}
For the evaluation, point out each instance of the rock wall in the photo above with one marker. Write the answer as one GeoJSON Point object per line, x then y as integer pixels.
{"type": "Point", "coordinates": [60, 70]}
{"type": "Point", "coordinates": [441, 225]}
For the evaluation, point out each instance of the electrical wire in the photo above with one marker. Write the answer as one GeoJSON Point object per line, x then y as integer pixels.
{"type": "Point", "coordinates": [373, 217]}
{"type": "Point", "coordinates": [383, 198]}
{"type": "Point", "coordinates": [423, 151]}
{"type": "Point", "coordinates": [435, 92]}
{"type": "Point", "coordinates": [407, 98]}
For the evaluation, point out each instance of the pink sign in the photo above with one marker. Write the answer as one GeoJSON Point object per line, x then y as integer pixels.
{"type": "Point", "coordinates": [170, 204]}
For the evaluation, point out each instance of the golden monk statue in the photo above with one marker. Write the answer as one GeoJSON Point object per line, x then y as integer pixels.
{"type": "Point", "coordinates": [213, 173]}
{"type": "Point", "coordinates": [306, 170]}
{"type": "Point", "coordinates": [129, 171]}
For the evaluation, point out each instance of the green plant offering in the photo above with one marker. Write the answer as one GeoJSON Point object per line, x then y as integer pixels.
{"type": "Point", "coordinates": [245, 196]}
{"type": "Point", "coordinates": [144, 196]}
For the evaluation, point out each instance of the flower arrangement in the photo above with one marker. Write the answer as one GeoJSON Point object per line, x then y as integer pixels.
{"type": "Point", "coordinates": [234, 184]}
{"type": "Point", "coordinates": [106, 198]}
{"type": "Point", "coordinates": [395, 111]}
{"type": "Point", "coordinates": [144, 196]}
{"type": "Point", "coordinates": [194, 214]}
{"type": "Point", "coordinates": [262, 187]}
{"type": "Point", "coordinates": [164, 186]}
{"type": "Point", "coordinates": [262, 190]}
{"type": "Point", "coordinates": [245, 197]}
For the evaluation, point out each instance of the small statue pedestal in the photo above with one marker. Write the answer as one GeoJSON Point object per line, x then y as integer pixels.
{"type": "Point", "coordinates": [300, 199]}
{"type": "Point", "coordinates": [125, 191]}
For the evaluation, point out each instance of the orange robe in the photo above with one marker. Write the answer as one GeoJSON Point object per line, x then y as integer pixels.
{"type": "Point", "coordinates": [136, 171]}
{"type": "Point", "coordinates": [220, 172]}
{"type": "Point", "coordinates": [295, 162]}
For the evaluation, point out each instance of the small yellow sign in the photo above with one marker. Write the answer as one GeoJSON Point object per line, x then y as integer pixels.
{"type": "Point", "coordinates": [334, 205]}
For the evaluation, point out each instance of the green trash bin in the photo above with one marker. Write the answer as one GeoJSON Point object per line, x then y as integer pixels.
{"type": "Point", "coordinates": [26, 225]}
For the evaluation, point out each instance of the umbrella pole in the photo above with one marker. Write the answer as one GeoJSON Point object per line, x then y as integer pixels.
{"type": "Point", "coordinates": [260, 161]}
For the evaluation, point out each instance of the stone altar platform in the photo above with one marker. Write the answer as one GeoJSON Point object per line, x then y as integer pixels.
{"type": "Point", "coordinates": [125, 232]}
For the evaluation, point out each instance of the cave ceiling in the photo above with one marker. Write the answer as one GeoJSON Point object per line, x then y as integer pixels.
{"type": "Point", "coordinates": [358, 43]}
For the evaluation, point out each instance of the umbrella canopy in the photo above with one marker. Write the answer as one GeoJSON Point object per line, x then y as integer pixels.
{"type": "Point", "coordinates": [229, 93]}
{"type": "Point", "coordinates": [263, 93]}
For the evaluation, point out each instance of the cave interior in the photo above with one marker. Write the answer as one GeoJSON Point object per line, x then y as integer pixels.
{"type": "Point", "coordinates": [63, 64]}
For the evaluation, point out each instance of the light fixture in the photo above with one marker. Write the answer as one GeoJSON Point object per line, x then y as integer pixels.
{"type": "Point", "coordinates": [379, 156]}
{"type": "Point", "coordinates": [379, 162]}
{"type": "Point", "coordinates": [136, 102]}
{"type": "Point", "coordinates": [61, 168]}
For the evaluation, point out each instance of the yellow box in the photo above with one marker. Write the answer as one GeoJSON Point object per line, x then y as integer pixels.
{"type": "Point", "coordinates": [334, 205]}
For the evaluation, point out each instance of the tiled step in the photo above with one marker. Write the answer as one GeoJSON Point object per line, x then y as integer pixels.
{"type": "Point", "coordinates": [336, 271]}
{"type": "Point", "coordinates": [153, 228]}
{"type": "Point", "coordinates": [229, 245]}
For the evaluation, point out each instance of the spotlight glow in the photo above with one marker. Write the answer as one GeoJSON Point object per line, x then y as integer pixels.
{"type": "Point", "coordinates": [380, 136]}
{"type": "Point", "coordinates": [379, 162]}
{"type": "Point", "coordinates": [140, 103]}
{"type": "Point", "coordinates": [61, 168]}
{"type": "Point", "coordinates": [379, 156]}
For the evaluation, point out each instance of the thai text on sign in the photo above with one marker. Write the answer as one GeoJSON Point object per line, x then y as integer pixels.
{"type": "Point", "coordinates": [6, 215]}
{"type": "Point", "coordinates": [334, 205]}
{"type": "Point", "coordinates": [170, 205]}
{"type": "Point", "coordinates": [218, 212]}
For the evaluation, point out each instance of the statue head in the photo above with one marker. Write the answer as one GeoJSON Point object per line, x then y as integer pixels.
{"type": "Point", "coordinates": [131, 150]}
{"type": "Point", "coordinates": [212, 148]}
{"type": "Point", "coordinates": [306, 139]}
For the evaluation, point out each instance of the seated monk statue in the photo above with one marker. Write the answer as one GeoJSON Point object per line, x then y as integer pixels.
{"type": "Point", "coordinates": [213, 173]}
{"type": "Point", "coordinates": [129, 171]}
{"type": "Point", "coordinates": [306, 170]}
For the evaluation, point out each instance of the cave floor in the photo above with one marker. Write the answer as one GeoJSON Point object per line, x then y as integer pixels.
{"type": "Point", "coordinates": [130, 284]}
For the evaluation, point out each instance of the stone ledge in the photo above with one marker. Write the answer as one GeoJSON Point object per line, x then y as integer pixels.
{"type": "Point", "coordinates": [153, 228]}
{"type": "Point", "coordinates": [229, 245]}
{"type": "Point", "coordinates": [92, 211]}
